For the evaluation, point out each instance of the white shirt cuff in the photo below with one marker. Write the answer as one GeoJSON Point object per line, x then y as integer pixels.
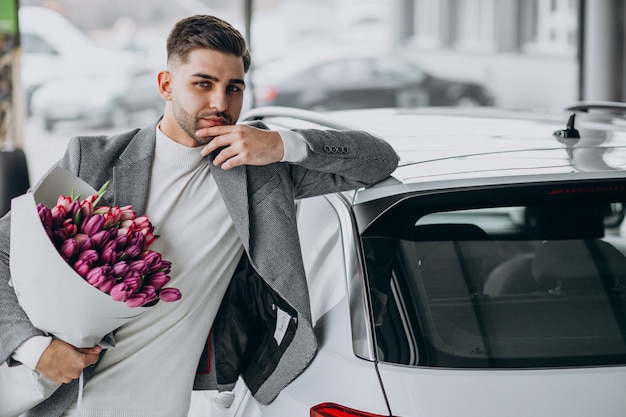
{"type": "Point", "coordinates": [296, 148]}
{"type": "Point", "coordinates": [31, 350]}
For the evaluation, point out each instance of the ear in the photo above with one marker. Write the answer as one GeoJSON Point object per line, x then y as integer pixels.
{"type": "Point", "coordinates": [165, 85]}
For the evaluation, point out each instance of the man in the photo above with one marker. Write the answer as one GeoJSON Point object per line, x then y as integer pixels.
{"type": "Point", "coordinates": [221, 195]}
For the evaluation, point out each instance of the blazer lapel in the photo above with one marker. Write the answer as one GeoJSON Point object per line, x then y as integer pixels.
{"type": "Point", "coordinates": [131, 176]}
{"type": "Point", "coordinates": [233, 186]}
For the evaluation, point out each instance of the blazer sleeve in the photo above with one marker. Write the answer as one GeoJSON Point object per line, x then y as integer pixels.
{"type": "Point", "coordinates": [342, 160]}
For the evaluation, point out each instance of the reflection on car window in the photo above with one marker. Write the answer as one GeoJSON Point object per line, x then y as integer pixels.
{"type": "Point", "coordinates": [519, 286]}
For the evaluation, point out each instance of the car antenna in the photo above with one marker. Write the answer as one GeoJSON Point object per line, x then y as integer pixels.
{"type": "Point", "coordinates": [570, 132]}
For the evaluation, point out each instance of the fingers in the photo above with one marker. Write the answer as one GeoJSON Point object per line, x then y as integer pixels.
{"type": "Point", "coordinates": [215, 134]}
{"type": "Point", "coordinates": [242, 145]}
{"type": "Point", "coordinates": [229, 157]}
{"type": "Point", "coordinates": [62, 362]}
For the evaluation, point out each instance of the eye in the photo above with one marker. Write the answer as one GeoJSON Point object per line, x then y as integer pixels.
{"type": "Point", "coordinates": [203, 84]}
{"type": "Point", "coordinates": [234, 88]}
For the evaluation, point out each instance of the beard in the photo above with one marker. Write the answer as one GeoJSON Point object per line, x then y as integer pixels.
{"type": "Point", "coordinates": [190, 124]}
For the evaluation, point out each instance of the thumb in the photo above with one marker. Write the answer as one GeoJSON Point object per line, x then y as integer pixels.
{"type": "Point", "coordinates": [91, 354]}
{"type": "Point", "coordinates": [90, 351]}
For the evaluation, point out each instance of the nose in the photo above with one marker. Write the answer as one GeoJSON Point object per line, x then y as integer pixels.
{"type": "Point", "coordinates": [218, 101]}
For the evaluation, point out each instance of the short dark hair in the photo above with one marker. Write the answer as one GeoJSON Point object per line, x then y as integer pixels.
{"type": "Point", "coordinates": [208, 32]}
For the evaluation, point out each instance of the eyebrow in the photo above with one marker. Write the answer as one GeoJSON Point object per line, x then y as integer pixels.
{"type": "Point", "coordinates": [215, 79]}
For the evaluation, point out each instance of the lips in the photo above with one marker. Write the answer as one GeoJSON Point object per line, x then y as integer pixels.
{"type": "Point", "coordinates": [214, 121]}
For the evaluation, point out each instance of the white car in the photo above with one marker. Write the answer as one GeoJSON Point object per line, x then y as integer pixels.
{"type": "Point", "coordinates": [75, 78]}
{"type": "Point", "coordinates": [486, 278]}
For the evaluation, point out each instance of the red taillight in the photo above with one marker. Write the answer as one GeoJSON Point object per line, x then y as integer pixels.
{"type": "Point", "coordinates": [336, 410]}
{"type": "Point", "coordinates": [265, 94]}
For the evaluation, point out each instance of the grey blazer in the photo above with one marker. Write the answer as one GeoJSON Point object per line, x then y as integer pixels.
{"type": "Point", "coordinates": [261, 203]}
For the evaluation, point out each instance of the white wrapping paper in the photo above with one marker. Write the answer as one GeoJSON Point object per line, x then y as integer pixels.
{"type": "Point", "coordinates": [56, 299]}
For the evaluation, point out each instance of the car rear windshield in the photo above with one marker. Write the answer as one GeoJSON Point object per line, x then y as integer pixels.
{"type": "Point", "coordinates": [535, 285]}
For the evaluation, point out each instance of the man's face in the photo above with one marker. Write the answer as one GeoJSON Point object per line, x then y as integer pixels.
{"type": "Point", "coordinates": [205, 91]}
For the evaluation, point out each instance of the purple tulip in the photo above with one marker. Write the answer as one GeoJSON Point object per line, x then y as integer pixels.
{"type": "Point", "coordinates": [132, 251]}
{"type": "Point", "coordinates": [107, 285]}
{"type": "Point", "coordinates": [158, 280]}
{"type": "Point", "coordinates": [137, 239]}
{"type": "Point", "coordinates": [73, 209]}
{"type": "Point", "coordinates": [93, 224]}
{"type": "Point", "coordinates": [170, 294]}
{"type": "Point", "coordinates": [136, 300]}
{"type": "Point", "coordinates": [98, 275]}
{"type": "Point", "coordinates": [84, 262]}
{"type": "Point", "coordinates": [69, 248]}
{"type": "Point", "coordinates": [84, 242]}
{"type": "Point", "coordinates": [120, 291]}
{"type": "Point", "coordinates": [133, 280]}
{"type": "Point", "coordinates": [120, 269]}
{"type": "Point", "coordinates": [165, 266]}
{"type": "Point", "coordinates": [120, 241]}
{"type": "Point", "coordinates": [100, 238]}
{"type": "Point", "coordinates": [45, 215]}
{"type": "Point", "coordinates": [150, 292]}
{"type": "Point", "coordinates": [82, 267]}
{"type": "Point", "coordinates": [140, 266]}
{"type": "Point", "coordinates": [89, 255]}
{"type": "Point", "coordinates": [152, 259]}
{"type": "Point", "coordinates": [109, 255]}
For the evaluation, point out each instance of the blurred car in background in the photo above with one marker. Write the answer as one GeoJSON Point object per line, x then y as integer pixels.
{"type": "Point", "coordinates": [347, 80]}
{"type": "Point", "coordinates": [68, 70]}
{"type": "Point", "coordinates": [486, 277]}
{"type": "Point", "coordinates": [105, 101]}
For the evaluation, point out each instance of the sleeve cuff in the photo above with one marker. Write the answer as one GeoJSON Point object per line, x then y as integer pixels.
{"type": "Point", "coordinates": [296, 148]}
{"type": "Point", "coordinates": [31, 350]}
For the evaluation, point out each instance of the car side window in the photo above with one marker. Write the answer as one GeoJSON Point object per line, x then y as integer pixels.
{"type": "Point", "coordinates": [345, 71]}
{"type": "Point", "coordinates": [389, 70]}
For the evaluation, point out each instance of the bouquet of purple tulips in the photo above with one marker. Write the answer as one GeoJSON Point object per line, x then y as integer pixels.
{"type": "Point", "coordinates": [109, 247]}
{"type": "Point", "coordinates": [80, 270]}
